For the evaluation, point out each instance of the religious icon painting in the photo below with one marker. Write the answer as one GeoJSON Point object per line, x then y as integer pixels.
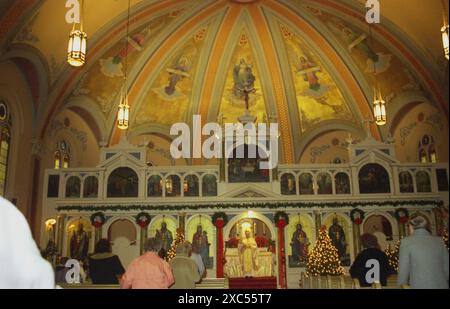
{"type": "Point", "coordinates": [199, 232]}
{"type": "Point", "coordinates": [373, 178]}
{"type": "Point", "coordinates": [306, 183]}
{"type": "Point", "coordinates": [123, 182]}
{"type": "Point", "coordinates": [342, 183]}
{"type": "Point", "coordinates": [339, 232]}
{"type": "Point", "coordinates": [73, 186]}
{"type": "Point", "coordinates": [164, 229]}
{"type": "Point", "coordinates": [300, 234]}
{"type": "Point", "coordinates": [442, 179]}
{"type": "Point", "coordinates": [423, 182]}
{"type": "Point", "coordinates": [288, 184]}
{"type": "Point", "coordinates": [406, 182]}
{"type": "Point", "coordinates": [53, 186]}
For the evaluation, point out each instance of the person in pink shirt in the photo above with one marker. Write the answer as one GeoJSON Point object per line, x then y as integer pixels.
{"type": "Point", "coordinates": [148, 271]}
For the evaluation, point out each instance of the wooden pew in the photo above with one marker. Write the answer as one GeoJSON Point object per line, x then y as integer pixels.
{"type": "Point", "coordinates": [378, 286]}
{"type": "Point", "coordinates": [207, 283]}
{"type": "Point", "coordinates": [90, 286]}
{"type": "Point", "coordinates": [213, 283]}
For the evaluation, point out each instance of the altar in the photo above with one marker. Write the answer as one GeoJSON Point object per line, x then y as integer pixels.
{"type": "Point", "coordinates": [266, 263]}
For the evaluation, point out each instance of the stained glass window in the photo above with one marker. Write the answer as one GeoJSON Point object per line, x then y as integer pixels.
{"type": "Point", "coordinates": [5, 139]}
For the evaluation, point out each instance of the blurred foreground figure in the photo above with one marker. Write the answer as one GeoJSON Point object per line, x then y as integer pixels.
{"type": "Point", "coordinates": [22, 266]}
{"type": "Point", "coordinates": [423, 260]}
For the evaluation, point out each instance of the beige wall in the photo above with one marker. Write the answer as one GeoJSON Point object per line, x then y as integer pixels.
{"type": "Point", "coordinates": [14, 90]}
{"type": "Point", "coordinates": [420, 120]}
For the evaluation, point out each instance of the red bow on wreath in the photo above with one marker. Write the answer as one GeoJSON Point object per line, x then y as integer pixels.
{"type": "Point", "coordinates": [143, 219]}
{"type": "Point", "coordinates": [98, 219]}
{"type": "Point", "coordinates": [402, 215]}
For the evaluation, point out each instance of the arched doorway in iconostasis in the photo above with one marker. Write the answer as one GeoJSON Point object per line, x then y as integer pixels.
{"type": "Point", "coordinates": [258, 228]}
{"type": "Point", "coordinates": [164, 228]}
{"type": "Point", "coordinates": [79, 239]}
{"type": "Point", "coordinates": [300, 239]}
{"type": "Point", "coordinates": [340, 231]}
{"type": "Point", "coordinates": [122, 234]}
{"type": "Point", "coordinates": [200, 232]}
{"type": "Point", "coordinates": [382, 228]}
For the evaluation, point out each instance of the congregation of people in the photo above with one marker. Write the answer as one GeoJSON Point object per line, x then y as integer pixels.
{"type": "Point", "coordinates": [423, 261]}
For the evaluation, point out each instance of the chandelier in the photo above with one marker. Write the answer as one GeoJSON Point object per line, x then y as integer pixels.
{"type": "Point", "coordinates": [124, 109]}
{"type": "Point", "coordinates": [76, 50]}
{"type": "Point", "coordinates": [379, 105]}
{"type": "Point", "coordinates": [379, 108]}
{"type": "Point", "coordinates": [444, 32]}
{"type": "Point", "coordinates": [124, 112]}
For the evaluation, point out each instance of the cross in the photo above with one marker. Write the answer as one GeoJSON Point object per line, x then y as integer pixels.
{"type": "Point", "coordinates": [221, 118]}
{"type": "Point", "coordinates": [246, 91]}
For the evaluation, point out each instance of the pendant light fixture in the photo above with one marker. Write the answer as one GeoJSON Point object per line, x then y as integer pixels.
{"type": "Point", "coordinates": [444, 31]}
{"type": "Point", "coordinates": [76, 50]}
{"type": "Point", "coordinates": [123, 114]}
{"type": "Point", "coordinates": [379, 105]}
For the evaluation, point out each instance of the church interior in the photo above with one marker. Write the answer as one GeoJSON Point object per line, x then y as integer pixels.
{"type": "Point", "coordinates": [90, 92]}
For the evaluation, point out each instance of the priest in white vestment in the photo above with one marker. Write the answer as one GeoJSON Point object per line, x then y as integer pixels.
{"type": "Point", "coordinates": [248, 251]}
{"type": "Point", "coordinates": [21, 264]}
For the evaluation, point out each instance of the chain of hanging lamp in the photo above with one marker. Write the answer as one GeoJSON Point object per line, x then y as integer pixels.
{"type": "Point", "coordinates": [124, 108]}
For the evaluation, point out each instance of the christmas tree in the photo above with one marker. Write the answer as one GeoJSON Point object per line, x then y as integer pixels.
{"type": "Point", "coordinates": [172, 252]}
{"type": "Point", "coordinates": [324, 258]}
{"type": "Point", "coordinates": [392, 255]}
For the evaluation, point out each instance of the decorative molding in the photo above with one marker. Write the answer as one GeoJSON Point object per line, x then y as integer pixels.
{"type": "Point", "coordinates": [26, 35]}
{"type": "Point", "coordinates": [58, 125]}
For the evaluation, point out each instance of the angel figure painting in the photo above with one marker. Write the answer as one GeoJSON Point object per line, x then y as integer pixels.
{"type": "Point", "coordinates": [178, 71]}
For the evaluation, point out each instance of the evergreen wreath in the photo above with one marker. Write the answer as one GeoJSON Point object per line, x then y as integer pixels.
{"type": "Point", "coordinates": [357, 216]}
{"type": "Point", "coordinates": [98, 219]}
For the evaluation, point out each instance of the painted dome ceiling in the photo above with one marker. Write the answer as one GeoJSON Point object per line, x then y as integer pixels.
{"type": "Point", "coordinates": [311, 65]}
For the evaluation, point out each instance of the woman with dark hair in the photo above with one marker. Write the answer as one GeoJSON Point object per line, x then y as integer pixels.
{"type": "Point", "coordinates": [362, 270]}
{"type": "Point", "coordinates": [105, 267]}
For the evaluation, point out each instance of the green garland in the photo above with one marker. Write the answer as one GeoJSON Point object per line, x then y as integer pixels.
{"type": "Point", "coordinates": [254, 205]}
{"type": "Point", "coordinates": [218, 215]}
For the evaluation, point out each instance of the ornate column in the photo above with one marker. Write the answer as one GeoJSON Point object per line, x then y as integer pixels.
{"type": "Point", "coordinates": [37, 151]}
{"type": "Point", "coordinates": [317, 221]}
{"type": "Point", "coordinates": [143, 239]}
{"type": "Point", "coordinates": [98, 234]}
{"type": "Point", "coordinates": [60, 223]}
{"type": "Point", "coordinates": [182, 222]}
{"type": "Point", "coordinates": [143, 220]}
{"type": "Point", "coordinates": [402, 216]}
{"type": "Point", "coordinates": [97, 221]}
{"type": "Point", "coordinates": [357, 217]}
{"type": "Point", "coordinates": [219, 223]}
{"type": "Point", "coordinates": [281, 224]}
{"type": "Point", "coordinates": [356, 238]}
